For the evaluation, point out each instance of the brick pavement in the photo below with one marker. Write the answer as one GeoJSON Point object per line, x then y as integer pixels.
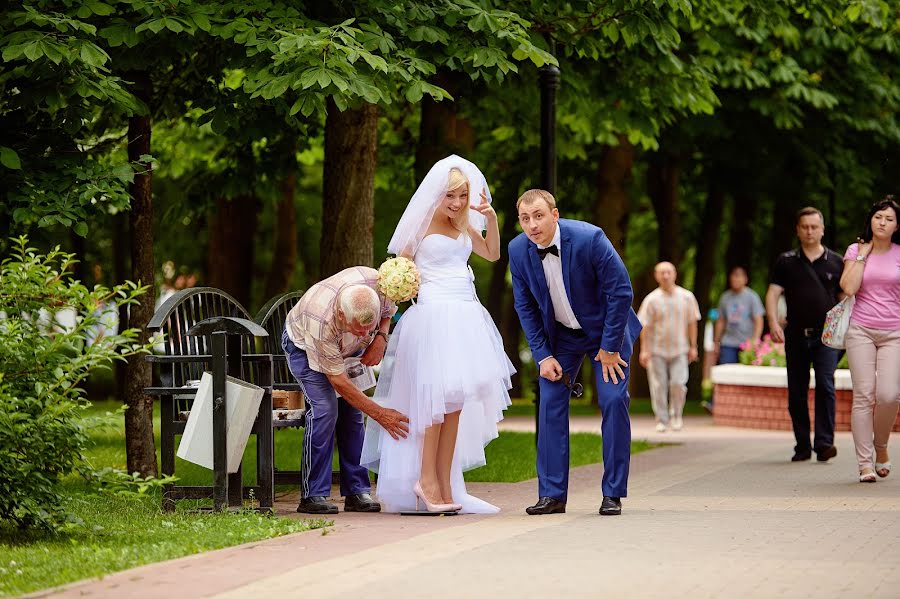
{"type": "Point", "coordinates": [724, 513]}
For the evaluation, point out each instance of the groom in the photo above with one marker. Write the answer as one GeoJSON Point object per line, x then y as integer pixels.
{"type": "Point", "coordinates": [573, 296]}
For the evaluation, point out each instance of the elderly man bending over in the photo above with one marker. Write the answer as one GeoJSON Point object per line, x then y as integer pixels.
{"type": "Point", "coordinates": [337, 318]}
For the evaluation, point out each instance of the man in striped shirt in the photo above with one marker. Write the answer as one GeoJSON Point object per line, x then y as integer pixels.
{"type": "Point", "coordinates": [668, 344]}
{"type": "Point", "coordinates": [344, 315]}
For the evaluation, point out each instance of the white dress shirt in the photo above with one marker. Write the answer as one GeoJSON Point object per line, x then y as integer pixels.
{"type": "Point", "coordinates": [552, 264]}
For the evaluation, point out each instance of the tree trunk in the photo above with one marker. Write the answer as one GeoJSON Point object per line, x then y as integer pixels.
{"type": "Point", "coordinates": [705, 267]}
{"type": "Point", "coordinates": [81, 270]}
{"type": "Point", "coordinates": [120, 274]}
{"type": "Point", "coordinates": [348, 211]}
{"type": "Point", "coordinates": [498, 288]}
{"type": "Point", "coordinates": [789, 198]}
{"type": "Point", "coordinates": [663, 173]}
{"type": "Point", "coordinates": [441, 130]}
{"type": "Point", "coordinates": [511, 331]}
{"type": "Point", "coordinates": [140, 447]}
{"type": "Point", "coordinates": [284, 261]}
{"type": "Point", "coordinates": [232, 236]}
{"type": "Point", "coordinates": [504, 204]}
{"type": "Point", "coordinates": [611, 207]}
{"type": "Point", "coordinates": [740, 241]}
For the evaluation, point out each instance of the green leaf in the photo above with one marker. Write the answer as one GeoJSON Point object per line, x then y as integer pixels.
{"type": "Point", "coordinates": [201, 21]}
{"type": "Point", "coordinates": [33, 51]}
{"type": "Point", "coordinates": [100, 8]}
{"type": "Point", "coordinates": [13, 52]}
{"type": "Point", "coordinates": [9, 158]}
{"type": "Point", "coordinates": [275, 88]}
{"type": "Point", "coordinates": [323, 78]}
{"type": "Point", "coordinates": [117, 35]}
{"type": "Point", "coordinates": [124, 173]}
{"type": "Point", "coordinates": [93, 55]}
{"type": "Point", "coordinates": [81, 229]}
{"type": "Point", "coordinates": [414, 92]}
{"type": "Point", "coordinates": [174, 26]}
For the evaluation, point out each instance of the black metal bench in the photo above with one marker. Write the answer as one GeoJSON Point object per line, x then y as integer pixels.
{"type": "Point", "coordinates": [184, 358]}
{"type": "Point", "coordinates": [271, 317]}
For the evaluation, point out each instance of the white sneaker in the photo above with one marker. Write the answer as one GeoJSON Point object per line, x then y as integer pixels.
{"type": "Point", "coordinates": [677, 423]}
{"type": "Point", "coordinates": [660, 427]}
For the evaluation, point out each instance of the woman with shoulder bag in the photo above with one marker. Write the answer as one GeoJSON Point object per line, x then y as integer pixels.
{"type": "Point", "coordinates": [872, 275]}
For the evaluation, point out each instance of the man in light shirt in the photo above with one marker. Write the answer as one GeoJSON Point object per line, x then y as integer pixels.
{"type": "Point", "coordinates": [669, 314]}
{"type": "Point", "coordinates": [344, 315]}
{"type": "Point", "coordinates": [573, 297]}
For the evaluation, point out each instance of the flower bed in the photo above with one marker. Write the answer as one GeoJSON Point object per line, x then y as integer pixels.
{"type": "Point", "coordinates": [750, 396]}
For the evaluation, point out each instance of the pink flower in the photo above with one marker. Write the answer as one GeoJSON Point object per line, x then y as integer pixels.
{"type": "Point", "coordinates": [773, 362]}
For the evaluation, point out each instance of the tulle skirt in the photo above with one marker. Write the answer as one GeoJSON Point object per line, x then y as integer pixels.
{"type": "Point", "coordinates": [445, 355]}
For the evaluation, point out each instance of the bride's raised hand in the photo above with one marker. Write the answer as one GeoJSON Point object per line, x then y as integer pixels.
{"type": "Point", "coordinates": [484, 207]}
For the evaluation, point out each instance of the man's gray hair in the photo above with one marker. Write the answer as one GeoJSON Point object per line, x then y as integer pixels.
{"type": "Point", "coordinates": [360, 303]}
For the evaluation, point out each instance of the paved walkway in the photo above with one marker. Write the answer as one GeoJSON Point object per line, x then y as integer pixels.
{"type": "Point", "coordinates": [724, 513]}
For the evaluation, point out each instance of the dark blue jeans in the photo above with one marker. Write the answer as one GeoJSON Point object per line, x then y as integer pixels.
{"type": "Point", "coordinates": [729, 355]}
{"type": "Point", "coordinates": [326, 414]}
{"type": "Point", "coordinates": [802, 351]}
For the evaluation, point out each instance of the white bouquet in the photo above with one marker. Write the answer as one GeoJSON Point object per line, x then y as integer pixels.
{"type": "Point", "coordinates": [398, 279]}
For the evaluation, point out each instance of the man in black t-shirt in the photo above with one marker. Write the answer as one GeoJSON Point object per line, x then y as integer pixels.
{"type": "Point", "coordinates": [809, 277]}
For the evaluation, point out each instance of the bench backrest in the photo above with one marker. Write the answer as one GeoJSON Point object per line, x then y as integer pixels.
{"type": "Point", "coordinates": [177, 315]}
{"type": "Point", "coordinates": [271, 317]}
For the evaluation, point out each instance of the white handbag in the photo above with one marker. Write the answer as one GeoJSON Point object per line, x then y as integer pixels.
{"type": "Point", "coordinates": [837, 321]}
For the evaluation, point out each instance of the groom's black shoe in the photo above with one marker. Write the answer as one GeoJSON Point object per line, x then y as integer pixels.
{"type": "Point", "coordinates": [611, 506]}
{"type": "Point", "coordinates": [316, 505]}
{"type": "Point", "coordinates": [546, 505]}
{"type": "Point", "coordinates": [361, 502]}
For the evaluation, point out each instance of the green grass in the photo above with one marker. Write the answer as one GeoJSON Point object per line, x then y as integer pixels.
{"type": "Point", "coordinates": [511, 457]}
{"type": "Point", "coordinates": [119, 533]}
{"type": "Point", "coordinates": [123, 533]}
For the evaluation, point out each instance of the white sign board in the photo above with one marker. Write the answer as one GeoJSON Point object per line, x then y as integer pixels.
{"type": "Point", "coordinates": [242, 407]}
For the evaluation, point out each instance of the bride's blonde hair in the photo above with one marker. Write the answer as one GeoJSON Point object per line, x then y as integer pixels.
{"type": "Point", "coordinates": [456, 180]}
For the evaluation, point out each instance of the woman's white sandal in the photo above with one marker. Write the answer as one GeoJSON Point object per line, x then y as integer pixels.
{"type": "Point", "coordinates": [868, 477]}
{"type": "Point", "coordinates": [886, 467]}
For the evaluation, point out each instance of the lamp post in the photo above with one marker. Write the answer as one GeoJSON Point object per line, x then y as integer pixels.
{"type": "Point", "coordinates": [548, 80]}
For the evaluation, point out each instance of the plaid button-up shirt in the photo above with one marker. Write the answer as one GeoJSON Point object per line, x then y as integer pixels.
{"type": "Point", "coordinates": [313, 324]}
{"type": "Point", "coordinates": [665, 317]}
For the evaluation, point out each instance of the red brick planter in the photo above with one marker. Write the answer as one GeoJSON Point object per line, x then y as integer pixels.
{"type": "Point", "coordinates": [756, 397]}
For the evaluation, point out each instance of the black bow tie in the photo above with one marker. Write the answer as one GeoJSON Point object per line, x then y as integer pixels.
{"type": "Point", "coordinates": [548, 250]}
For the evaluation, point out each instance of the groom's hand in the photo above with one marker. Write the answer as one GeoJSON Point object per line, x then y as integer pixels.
{"type": "Point", "coordinates": [551, 370]}
{"type": "Point", "coordinates": [611, 365]}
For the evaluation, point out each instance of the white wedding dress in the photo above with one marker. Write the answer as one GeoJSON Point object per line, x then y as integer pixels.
{"type": "Point", "coordinates": [445, 354]}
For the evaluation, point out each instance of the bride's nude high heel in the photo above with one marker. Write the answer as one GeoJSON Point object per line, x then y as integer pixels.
{"type": "Point", "coordinates": [432, 507]}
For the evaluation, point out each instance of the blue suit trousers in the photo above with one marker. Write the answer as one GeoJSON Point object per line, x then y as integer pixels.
{"type": "Point", "coordinates": [553, 439]}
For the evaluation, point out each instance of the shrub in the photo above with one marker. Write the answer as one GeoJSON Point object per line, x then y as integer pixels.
{"type": "Point", "coordinates": [763, 352]}
{"type": "Point", "coordinates": [53, 333]}
{"type": "Point", "coordinates": [768, 353]}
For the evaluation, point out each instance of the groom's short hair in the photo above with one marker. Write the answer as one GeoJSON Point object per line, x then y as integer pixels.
{"type": "Point", "coordinates": [533, 195]}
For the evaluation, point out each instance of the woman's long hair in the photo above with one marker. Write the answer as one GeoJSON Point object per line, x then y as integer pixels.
{"type": "Point", "coordinates": [887, 202]}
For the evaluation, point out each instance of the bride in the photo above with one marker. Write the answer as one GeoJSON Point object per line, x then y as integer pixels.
{"type": "Point", "coordinates": [445, 366]}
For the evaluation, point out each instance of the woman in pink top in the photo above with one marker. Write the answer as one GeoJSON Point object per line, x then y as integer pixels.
{"type": "Point", "coordinates": [872, 274]}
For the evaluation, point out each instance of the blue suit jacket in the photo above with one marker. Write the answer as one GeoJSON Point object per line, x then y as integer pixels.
{"type": "Point", "coordinates": [596, 282]}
